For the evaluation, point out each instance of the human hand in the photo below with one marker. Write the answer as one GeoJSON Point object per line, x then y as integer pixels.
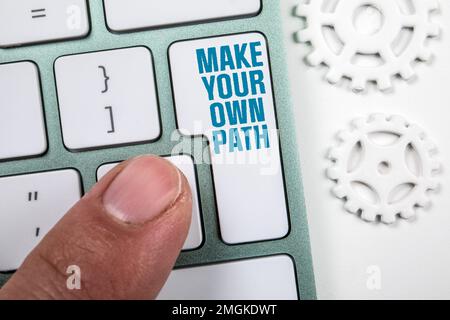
{"type": "Point", "coordinates": [124, 235]}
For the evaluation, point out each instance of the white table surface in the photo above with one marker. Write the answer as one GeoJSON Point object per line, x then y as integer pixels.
{"type": "Point", "coordinates": [412, 258]}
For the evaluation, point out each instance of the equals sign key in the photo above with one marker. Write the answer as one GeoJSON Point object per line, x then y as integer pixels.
{"type": "Point", "coordinates": [38, 13]}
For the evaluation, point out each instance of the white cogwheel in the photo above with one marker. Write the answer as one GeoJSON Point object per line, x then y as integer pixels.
{"type": "Point", "coordinates": [392, 159]}
{"type": "Point", "coordinates": [389, 31]}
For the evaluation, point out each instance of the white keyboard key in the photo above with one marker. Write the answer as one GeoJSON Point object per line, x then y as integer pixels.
{"type": "Point", "coordinates": [22, 126]}
{"type": "Point", "coordinates": [269, 278]}
{"type": "Point", "coordinates": [186, 165]}
{"type": "Point", "coordinates": [107, 98]}
{"type": "Point", "coordinates": [241, 127]}
{"type": "Point", "coordinates": [30, 205]}
{"type": "Point", "coordinates": [140, 14]}
{"type": "Point", "coordinates": [30, 21]}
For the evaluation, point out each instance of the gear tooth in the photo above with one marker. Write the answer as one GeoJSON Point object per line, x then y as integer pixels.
{"type": "Point", "coordinates": [435, 165]}
{"type": "Point", "coordinates": [369, 215]}
{"type": "Point", "coordinates": [315, 58]}
{"type": "Point", "coordinates": [377, 118]}
{"type": "Point", "coordinates": [434, 30]}
{"type": "Point", "coordinates": [398, 120]}
{"type": "Point", "coordinates": [416, 130]}
{"type": "Point", "coordinates": [433, 185]}
{"type": "Point", "coordinates": [304, 35]}
{"type": "Point", "coordinates": [384, 83]}
{"type": "Point", "coordinates": [359, 123]}
{"type": "Point", "coordinates": [302, 10]}
{"type": "Point", "coordinates": [333, 173]}
{"type": "Point", "coordinates": [431, 147]}
{"type": "Point", "coordinates": [358, 84]}
{"type": "Point", "coordinates": [407, 72]}
{"type": "Point", "coordinates": [339, 192]}
{"type": "Point", "coordinates": [388, 218]}
{"type": "Point", "coordinates": [424, 54]}
{"type": "Point", "coordinates": [344, 135]}
{"type": "Point", "coordinates": [335, 153]}
{"type": "Point", "coordinates": [432, 5]}
{"type": "Point", "coordinates": [407, 213]}
{"type": "Point", "coordinates": [334, 75]}
{"type": "Point", "coordinates": [351, 206]}
{"type": "Point", "coordinates": [423, 201]}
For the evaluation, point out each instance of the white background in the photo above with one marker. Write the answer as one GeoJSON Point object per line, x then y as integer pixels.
{"type": "Point", "coordinates": [412, 256]}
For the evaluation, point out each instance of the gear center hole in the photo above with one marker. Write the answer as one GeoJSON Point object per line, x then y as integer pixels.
{"type": "Point", "coordinates": [384, 168]}
{"type": "Point", "coordinates": [368, 20]}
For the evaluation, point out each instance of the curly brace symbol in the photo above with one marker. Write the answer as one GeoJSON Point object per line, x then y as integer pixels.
{"type": "Point", "coordinates": [105, 76]}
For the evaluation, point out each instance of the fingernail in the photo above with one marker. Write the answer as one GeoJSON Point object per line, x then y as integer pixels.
{"type": "Point", "coordinates": [143, 190]}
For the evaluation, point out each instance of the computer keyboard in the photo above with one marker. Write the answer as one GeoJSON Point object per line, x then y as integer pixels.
{"type": "Point", "coordinates": [87, 84]}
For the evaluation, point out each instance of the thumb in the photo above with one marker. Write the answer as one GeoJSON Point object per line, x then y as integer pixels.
{"type": "Point", "coordinates": [124, 236]}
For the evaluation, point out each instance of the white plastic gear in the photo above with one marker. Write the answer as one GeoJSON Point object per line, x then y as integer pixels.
{"type": "Point", "coordinates": [377, 44]}
{"type": "Point", "coordinates": [391, 156]}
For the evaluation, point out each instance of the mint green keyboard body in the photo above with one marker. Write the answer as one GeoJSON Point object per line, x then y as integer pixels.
{"type": "Point", "coordinates": [58, 156]}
